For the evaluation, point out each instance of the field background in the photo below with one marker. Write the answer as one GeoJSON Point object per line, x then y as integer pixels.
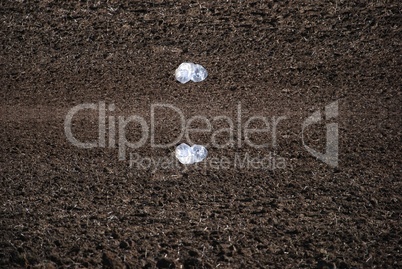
{"type": "Point", "coordinates": [66, 207]}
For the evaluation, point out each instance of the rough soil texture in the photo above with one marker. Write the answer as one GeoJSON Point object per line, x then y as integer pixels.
{"type": "Point", "coordinates": [69, 207]}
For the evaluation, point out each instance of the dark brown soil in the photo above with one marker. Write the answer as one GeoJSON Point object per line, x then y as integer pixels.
{"type": "Point", "coordinates": [64, 206]}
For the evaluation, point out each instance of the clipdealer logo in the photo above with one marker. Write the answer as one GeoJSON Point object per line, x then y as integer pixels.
{"type": "Point", "coordinates": [241, 127]}
{"type": "Point", "coordinates": [331, 154]}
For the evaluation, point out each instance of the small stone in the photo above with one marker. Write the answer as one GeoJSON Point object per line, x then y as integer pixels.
{"type": "Point", "coordinates": [190, 71]}
{"type": "Point", "coordinates": [199, 73]}
{"type": "Point", "coordinates": [184, 72]}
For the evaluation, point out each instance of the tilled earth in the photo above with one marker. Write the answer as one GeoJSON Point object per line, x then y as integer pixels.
{"type": "Point", "coordinates": [271, 64]}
